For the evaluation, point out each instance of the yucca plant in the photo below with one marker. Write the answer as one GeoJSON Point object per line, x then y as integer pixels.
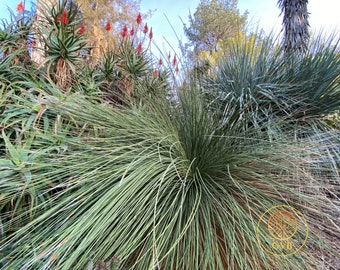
{"type": "Point", "coordinates": [266, 83]}
{"type": "Point", "coordinates": [315, 77]}
{"type": "Point", "coordinates": [168, 187]}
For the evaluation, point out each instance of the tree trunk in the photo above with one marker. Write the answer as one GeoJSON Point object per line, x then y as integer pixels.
{"type": "Point", "coordinates": [295, 23]}
{"type": "Point", "coordinates": [38, 50]}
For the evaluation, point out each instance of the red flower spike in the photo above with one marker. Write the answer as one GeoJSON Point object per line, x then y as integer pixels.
{"type": "Point", "coordinates": [139, 18]}
{"type": "Point", "coordinates": [169, 56]}
{"type": "Point", "coordinates": [132, 31]}
{"type": "Point", "coordinates": [125, 31]}
{"type": "Point", "coordinates": [146, 28]}
{"type": "Point", "coordinates": [155, 73]}
{"type": "Point", "coordinates": [139, 48]}
{"type": "Point", "coordinates": [20, 7]}
{"type": "Point", "coordinates": [176, 70]}
{"type": "Point", "coordinates": [63, 18]}
{"type": "Point", "coordinates": [108, 26]}
{"type": "Point", "coordinates": [160, 62]}
{"type": "Point", "coordinates": [174, 61]}
{"type": "Point", "coordinates": [151, 33]}
{"type": "Point", "coordinates": [82, 29]}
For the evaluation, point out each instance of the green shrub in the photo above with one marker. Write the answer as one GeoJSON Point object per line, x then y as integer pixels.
{"type": "Point", "coordinates": [166, 186]}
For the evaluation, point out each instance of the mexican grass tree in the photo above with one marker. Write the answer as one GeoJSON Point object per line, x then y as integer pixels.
{"type": "Point", "coordinates": [168, 187]}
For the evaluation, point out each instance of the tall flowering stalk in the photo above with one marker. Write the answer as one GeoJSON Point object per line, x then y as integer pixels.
{"type": "Point", "coordinates": [139, 48]}
{"type": "Point", "coordinates": [82, 29]}
{"type": "Point", "coordinates": [124, 32]}
{"type": "Point", "coordinates": [132, 31]}
{"type": "Point", "coordinates": [20, 7]}
{"type": "Point", "coordinates": [143, 33]}
{"type": "Point", "coordinates": [176, 69]}
{"type": "Point", "coordinates": [146, 29]}
{"type": "Point", "coordinates": [174, 61]}
{"type": "Point", "coordinates": [108, 26]}
{"type": "Point", "coordinates": [139, 19]}
{"type": "Point", "coordinates": [151, 34]}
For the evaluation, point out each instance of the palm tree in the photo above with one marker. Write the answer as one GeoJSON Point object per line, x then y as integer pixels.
{"type": "Point", "coordinates": [295, 23]}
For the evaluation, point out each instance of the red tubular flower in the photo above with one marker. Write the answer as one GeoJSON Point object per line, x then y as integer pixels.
{"type": "Point", "coordinates": [160, 62]}
{"type": "Point", "coordinates": [82, 29]}
{"type": "Point", "coordinates": [139, 48]}
{"type": "Point", "coordinates": [132, 31]}
{"type": "Point", "coordinates": [34, 43]}
{"type": "Point", "coordinates": [151, 33]}
{"type": "Point", "coordinates": [174, 61]}
{"type": "Point", "coordinates": [146, 28]}
{"type": "Point", "coordinates": [139, 18]}
{"type": "Point", "coordinates": [63, 18]}
{"type": "Point", "coordinates": [176, 70]}
{"type": "Point", "coordinates": [20, 7]}
{"type": "Point", "coordinates": [108, 26]}
{"type": "Point", "coordinates": [125, 31]}
{"type": "Point", "coordinates": [169, 56]}
{"type": "Point", "coordinates": [155, 73]}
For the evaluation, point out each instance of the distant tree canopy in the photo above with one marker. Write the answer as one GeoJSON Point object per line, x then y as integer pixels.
{"type": "Point", "coordinates": [249, 43]}
{"type": "Point", "coordinates": [213, 22]}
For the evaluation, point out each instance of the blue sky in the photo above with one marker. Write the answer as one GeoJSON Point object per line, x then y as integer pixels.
{"type": "Point", "coordinates": [324, 14]}
{"type": "Point", "coordinates": [262, 13]}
